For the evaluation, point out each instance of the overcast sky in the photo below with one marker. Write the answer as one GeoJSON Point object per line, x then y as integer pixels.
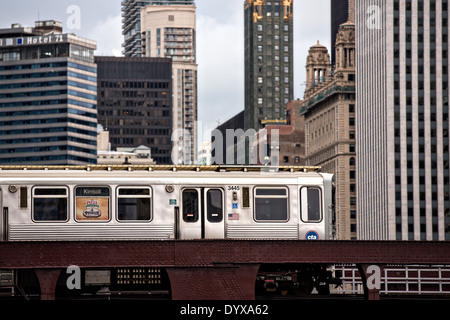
{"type": "Point", "coordinates": [220, 42]}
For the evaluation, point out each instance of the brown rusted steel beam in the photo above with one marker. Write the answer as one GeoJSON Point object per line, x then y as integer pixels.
{"type": "Point", "coordinates": [222, 282]}
{"type": "Point", "coordinates": [227, 267]}
{"type": "Point", "coordinates": [371, 283]}
{"type": "Point", "coordinates": [207, 253]}
{"type": "Point", "coordinates": [47, 281]}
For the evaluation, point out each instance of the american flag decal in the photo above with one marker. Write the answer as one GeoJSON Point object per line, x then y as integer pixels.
{"type": "Point", "coordinates": [233, 216]}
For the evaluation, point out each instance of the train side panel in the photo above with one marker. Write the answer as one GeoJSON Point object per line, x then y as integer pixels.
{"type": "Point", "coordinates": [262, 212]}
{"type": "Point", "coordinates": [84, 206]}
{"type": "Point", "coordinates": [93, 217]}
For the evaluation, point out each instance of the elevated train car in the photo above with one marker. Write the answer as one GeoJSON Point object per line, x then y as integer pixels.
{"type": "Point", "coordinates": [93, 203]}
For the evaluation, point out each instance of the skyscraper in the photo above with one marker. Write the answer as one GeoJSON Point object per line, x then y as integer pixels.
{"type": "Point", "coordinates": [48, 96]}
{"type": "Point", "coordinates": [402, 116]}
{"type": "Point", "coordinates": [135, 103]}
{"type": "Point", "coordinates": [170, 31]}
{"type": "Point", "coordinates": [339, 15]}
{"type": "Point", "coordinates": [268, 61]}
{"type": "Point", "coordinates": [131, 19]}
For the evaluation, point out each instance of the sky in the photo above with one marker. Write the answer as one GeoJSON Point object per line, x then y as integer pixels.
{"type": "Point", "coordinates": [220, 42]}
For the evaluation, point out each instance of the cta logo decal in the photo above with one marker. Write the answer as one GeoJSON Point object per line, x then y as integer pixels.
{"type": "Point", "coordinates": [312, 235]}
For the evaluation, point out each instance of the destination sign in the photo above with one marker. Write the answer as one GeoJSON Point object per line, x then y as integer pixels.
{"type": "Point", "coordinates": [92, 192]}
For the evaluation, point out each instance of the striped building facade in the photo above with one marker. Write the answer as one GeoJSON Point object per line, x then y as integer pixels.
{"type": "Point", "coordinates": [402, 116]}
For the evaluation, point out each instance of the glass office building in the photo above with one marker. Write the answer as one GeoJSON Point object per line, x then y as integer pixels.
{"type": "Point", "coordinates": [135, 103]}
{"type": "Point", "coordinates": [48, 96]}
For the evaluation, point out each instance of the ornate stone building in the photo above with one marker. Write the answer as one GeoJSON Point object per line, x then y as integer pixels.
{"type": "Point", "coordinates": [329, 110]}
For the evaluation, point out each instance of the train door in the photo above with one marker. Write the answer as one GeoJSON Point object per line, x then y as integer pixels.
{"type": "Point", "coordinates": [2, 219]}
{"type": "Point", "coordinates": [201, 215]}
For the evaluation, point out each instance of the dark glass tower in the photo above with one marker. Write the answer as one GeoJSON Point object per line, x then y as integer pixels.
{"type": "Point", "coordinates": [268, 61]}
{"type": "Point", "coordinates": [135, 103]}
{"type": "Point", "coordinates": [339, 15]}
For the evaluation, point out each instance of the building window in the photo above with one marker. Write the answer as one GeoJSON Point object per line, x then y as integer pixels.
{"type": "Point", "coordinates": [158, 37]}
{"type": "Point", "coordinates": [352, 148]}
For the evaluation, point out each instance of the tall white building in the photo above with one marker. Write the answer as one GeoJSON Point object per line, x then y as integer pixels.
{"type": "Point", "coordinates": [402, 119]}
{"type": "Point", "coordinates": [170, 31]}
{"type": "Point", "coordinates": [131, 23]}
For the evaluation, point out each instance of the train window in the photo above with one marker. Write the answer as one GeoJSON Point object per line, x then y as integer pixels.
{"type": "Point", "coordinates": [92, 204]}
{"type": "Point", "coordinates": [190, 205]}
{"type": "Point", "coordinates": [134, 204]}
{"type": "Point", "coordinates": [214, 205]}
{"type": "Point", "coordinates": [311, 208]}
{"type": "Point", "coordinates": [271, 204]}
{"type": "Point", "coordinates": [50, 204]}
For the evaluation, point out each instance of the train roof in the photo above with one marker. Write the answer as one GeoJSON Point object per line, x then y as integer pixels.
{"type": "Point", "coordinates": [160, 172]}
{"type": "Point", "coordinates": [161, 168]}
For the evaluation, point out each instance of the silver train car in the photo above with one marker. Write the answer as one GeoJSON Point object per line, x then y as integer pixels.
{"type": "Point", "coordinates": [164, 202]}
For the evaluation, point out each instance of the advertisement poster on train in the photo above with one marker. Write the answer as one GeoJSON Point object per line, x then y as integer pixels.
{"type": "Point", "coordinates": [92, 209]}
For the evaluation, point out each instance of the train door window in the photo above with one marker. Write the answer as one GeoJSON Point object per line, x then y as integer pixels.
{"type": "Point", "coordinates": [311, 208]}
{"type": "Point", "coordinates": [271, 204]}
{"type": "Point", "coordinates": [190, 205]}
{"type": "Point", "coordinates": [134, 204]}
{"type": "Point", "coordinates": [92, 204]}
{"type": "Point", "coordinates": [50, 204]}
{"type": "Point", "coordinates": [214, 205]}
